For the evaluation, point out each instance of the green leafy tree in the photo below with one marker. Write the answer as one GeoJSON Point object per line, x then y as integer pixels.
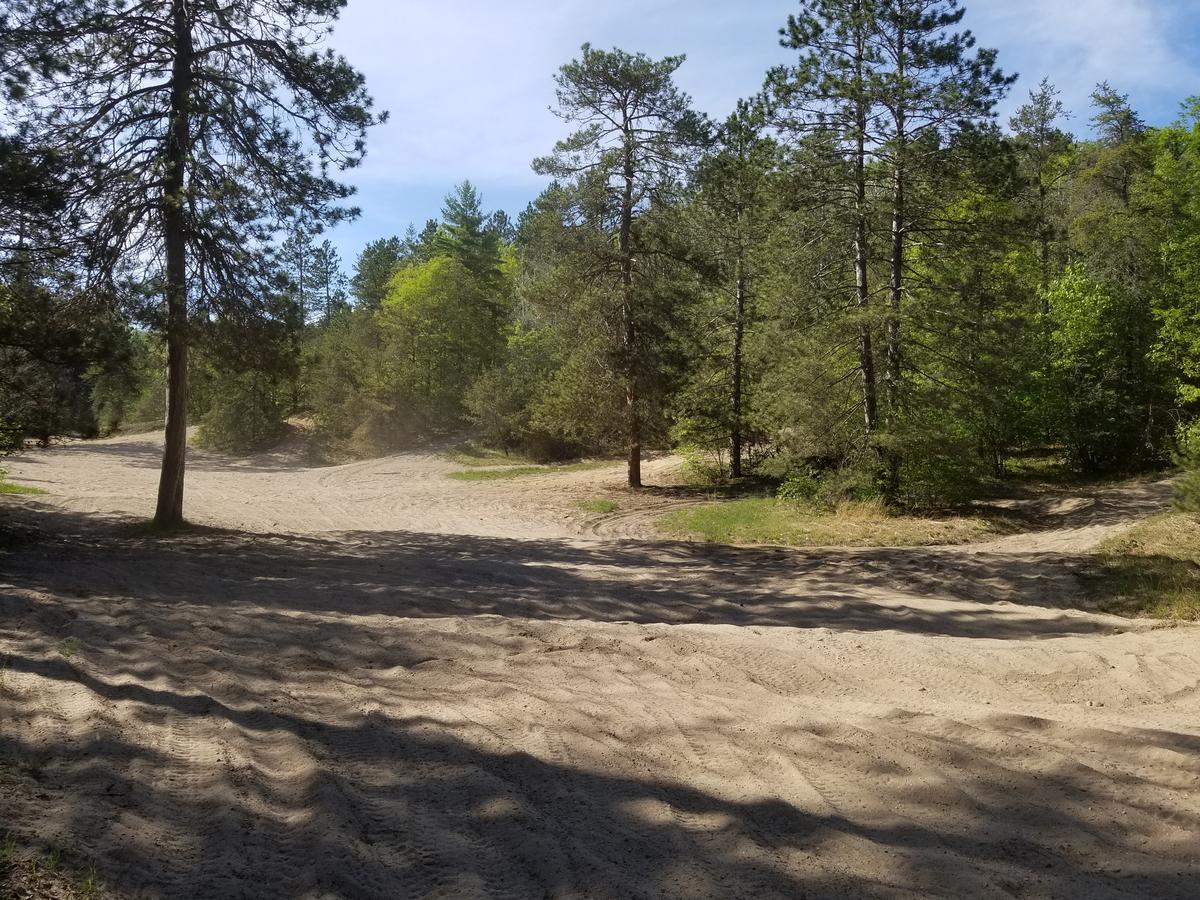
{"type": "Point", "coordinates": [440, 333]}
{"type": "Point", "coordinates": [1114, 393]}
{"type": "Point", "coordinates": [1107, 384]}
{"type": "Point", "coordinates": [1170, 194]}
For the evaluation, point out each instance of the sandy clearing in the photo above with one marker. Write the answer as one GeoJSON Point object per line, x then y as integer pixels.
{"type": "Point", "coordinates": [274, 493]}
{"type": "Point", "coordinates": [422, 687]}
{"type": "Point", "coordinates": [277, 493]}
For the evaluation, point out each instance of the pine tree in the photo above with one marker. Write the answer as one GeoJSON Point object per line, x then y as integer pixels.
{"type": "Point", "coordinates": [933, 83]}
{"type": "Point", "coordinates": [831, 95]}
{"type": "Point", "coordinates": [329, 284]}
{"type": "Point", "coordinates": [1042, 147]}
{"type": "Point", "coordinates": [296, 258]}
{"type": "Point", "coordinates": [1120, 131]}
{"type": "Point", "coordinates": [636, 134]}
{"type": "Point", "coordinates": [374, 268]}
{"type": "Point", "coordinates": [210, 124]}
{"type": "Point", "coordinates": [732, 210]}
{"type": "Point", "coordinates": [464, 233]}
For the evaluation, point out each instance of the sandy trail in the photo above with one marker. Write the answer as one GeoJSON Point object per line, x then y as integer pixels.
{"type": "Point", "coordinates": [419, 687]}
{"type": "Point", "coordinates": [275, 493]}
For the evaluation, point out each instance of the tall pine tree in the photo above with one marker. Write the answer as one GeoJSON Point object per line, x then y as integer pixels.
{"type": "Point", "coordinates": [209, 124]}
{"type": "Point", "coordinates": [636, 133]}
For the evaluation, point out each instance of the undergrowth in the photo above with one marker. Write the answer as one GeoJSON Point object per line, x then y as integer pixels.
{"type": "Point", "coordinates": [1151, 570]}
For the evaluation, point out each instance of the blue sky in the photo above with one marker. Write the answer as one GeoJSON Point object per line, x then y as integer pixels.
{"type": "Point", "coordinates": [469, 83]}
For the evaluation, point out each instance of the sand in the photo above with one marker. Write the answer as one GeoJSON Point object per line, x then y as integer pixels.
{"type": "Point", "coordinates": [373, 681]}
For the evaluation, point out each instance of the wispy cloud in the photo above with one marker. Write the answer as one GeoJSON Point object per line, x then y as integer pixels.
{"type": "Point", "coordinates": [1143, 47]}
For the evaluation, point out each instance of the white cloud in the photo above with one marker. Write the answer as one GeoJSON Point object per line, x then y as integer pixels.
{"type": "Point", "coordinates": [1134, 44]}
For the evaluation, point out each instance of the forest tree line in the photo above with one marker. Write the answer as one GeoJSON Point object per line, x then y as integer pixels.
{"type": "Point", "coordinates": [860, 283]}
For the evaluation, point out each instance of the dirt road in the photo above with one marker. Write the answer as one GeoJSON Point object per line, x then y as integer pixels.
{"type": "Point", "coordinates": [371, 680]}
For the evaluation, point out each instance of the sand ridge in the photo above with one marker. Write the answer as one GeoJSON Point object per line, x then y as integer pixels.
{"type": "Point", "coordinates": [423, 687]}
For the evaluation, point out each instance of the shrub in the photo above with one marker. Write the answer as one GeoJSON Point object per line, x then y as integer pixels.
{"type": "Point", "coordinates": [1187, 489]}
{"type": "Point", "coordinates": [940, 464]}
{"type": "Point", "coordinates": [385, 430]}
{"type": "Point", "coordinates": [702, 465]}
{"type": "Point", "coordinates": [246, 413]}
{"type": "Point", "coordinates": [800, 487]}
{"type": "Point", "coordinates": [10, 437]}
{"type": "Point", "coordinates": [856, 481]}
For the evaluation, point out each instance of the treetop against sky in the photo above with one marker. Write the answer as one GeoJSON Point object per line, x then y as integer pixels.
{"type": "Point", "coordinates": [470, 84]}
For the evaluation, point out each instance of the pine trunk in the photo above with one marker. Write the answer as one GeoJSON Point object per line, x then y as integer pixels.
{"type": "Point", "coordinates": [896, 288]}
{"type": "Point", "coordinates": [896, 281]}
{"type": "Point", "coordinates": [866, 357]}
{"type": "Point", "coordinates": [633, 416]}
{"type": "Point", "coordinates": [1044, 238]}
{"type": "Point", "coordinates": [169, 509]}
{"type": "Point", "coordinates": [735, 372]}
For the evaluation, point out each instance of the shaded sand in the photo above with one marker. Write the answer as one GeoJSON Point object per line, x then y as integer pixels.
{"type": "Point", "coordinates": [423, 687]}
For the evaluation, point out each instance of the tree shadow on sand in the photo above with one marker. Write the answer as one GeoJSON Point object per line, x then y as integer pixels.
{"type": "Point", "coordinates": [280, 804]}
{"type": "Point", "coordinates": [408, 574]}
{"type": "Point", "coordinates": [195, 741]}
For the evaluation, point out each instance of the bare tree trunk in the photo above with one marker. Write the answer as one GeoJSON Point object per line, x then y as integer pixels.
{"type": "Point", "coordinates": [169, 509]}
{"type": "Point", "coordinates": [896, 281]}
{"type": "Point", "coordinates": [896, 293]}
{"type": "Point", "coordinates": [896, 286]}
{"type": "Point", "coordinates": [866, 357]}
{"type": "Point", "coordinates": [735, 373]}
{"type": "Point", "coordinates": [633, 417]}
{"type": "Point", "coordinates": [635, 433]}
{"type": "Point", "coordinates": [1044, 231]}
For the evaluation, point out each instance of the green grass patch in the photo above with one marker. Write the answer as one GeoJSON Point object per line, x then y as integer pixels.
{"type": "Point", "coordinates": [1151, 570]}
{"type": "Point", "coordinates": [771, 521]}
{"type": "Point", "coordinates": [522, 471]}
{"type": "Point", "coordinates": [598, 506]}
{"type": "Point", "coordinates": [7, 487]}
